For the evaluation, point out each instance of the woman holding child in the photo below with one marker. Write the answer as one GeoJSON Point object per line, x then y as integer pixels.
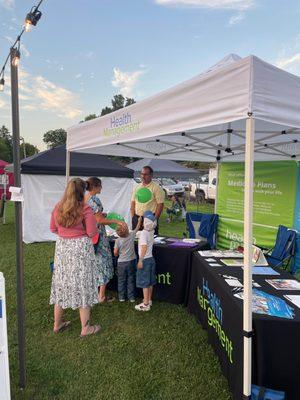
{"type": "Point", "coordinates": [103, 251]}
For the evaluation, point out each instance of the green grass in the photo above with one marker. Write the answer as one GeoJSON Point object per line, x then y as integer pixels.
{"type": "Point", "coordinates": [158, 355]}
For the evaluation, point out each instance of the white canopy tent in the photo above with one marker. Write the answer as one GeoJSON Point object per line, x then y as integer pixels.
{"type": "Point", "coordinates": [240, 109]}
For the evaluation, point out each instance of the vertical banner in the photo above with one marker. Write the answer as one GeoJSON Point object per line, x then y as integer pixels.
{"type": "Point", "coordinates": [275, 186]}
{"type": "Point", "coordinates": [296, 264]}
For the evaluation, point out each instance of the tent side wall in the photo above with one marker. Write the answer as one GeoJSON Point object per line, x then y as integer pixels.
{"type": "Point", "coordinates": [42, 192]}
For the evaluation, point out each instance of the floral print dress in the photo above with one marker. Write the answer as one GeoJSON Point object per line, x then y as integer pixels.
{"type": "Point", "coordinates": [103, 253]}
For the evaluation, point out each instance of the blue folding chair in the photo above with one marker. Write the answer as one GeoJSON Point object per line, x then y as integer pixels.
{"type": "Point", "coordinates": [202, 225]}
{"type": "Point", "coordinates": [284, 249]}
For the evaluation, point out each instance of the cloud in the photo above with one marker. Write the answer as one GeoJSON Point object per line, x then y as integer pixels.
{"type": "Point", "coordinates": [77, 76]}
{"type": "Point", "coordinates": [240, 5]}
{"type": "Point", "coordinates": [290, 64]}
{"type": "Point", "coordinates": [55, 98]}
{"type": "Point", "coordinates": [236, 19]}
{"type": "Point", "coordinates": [3, 104]}
{"type": "Point", "coordinates": [126, 81]}
{"type": "Point", "coordinates": [8, 4]}
{"type": "Point", "coordinates": [38, 93]}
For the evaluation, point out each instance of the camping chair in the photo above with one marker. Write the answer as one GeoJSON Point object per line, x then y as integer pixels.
{"type": "Point", "coordinates": [201, 225]}
{"type": "Point", "coordinates": [284, 249]}
{"type": "Point", "coordinates": [2, 207]}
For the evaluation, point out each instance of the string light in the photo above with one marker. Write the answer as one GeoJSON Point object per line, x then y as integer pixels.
{"type": "Point", "coordinates": [31, 19]}
{"type": "Point", "coordinates": [16, 59]}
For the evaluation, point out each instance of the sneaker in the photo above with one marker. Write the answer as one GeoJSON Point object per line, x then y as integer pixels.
{"type": "Point", "coordinates": [121, 300]}
{"type": "Point", "coordinates": [150, 303]}
{"type": "Point", "coordinates": [142, 307]}
{"type": "Point", "coordinates": [132, 300]}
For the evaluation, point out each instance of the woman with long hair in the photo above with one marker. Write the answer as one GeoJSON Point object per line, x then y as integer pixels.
{"type": "Point", "coordinates": [102, 248]}
{"type": "Point", "coordinates": [74, 280]}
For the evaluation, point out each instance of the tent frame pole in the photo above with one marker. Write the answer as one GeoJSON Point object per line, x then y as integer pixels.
{"type": "Point", "coordinates": [68, 163]}
{"type": "Point", "coordinates": [248, 240]}
{"type": "Point", "coordinates": [217, 183]}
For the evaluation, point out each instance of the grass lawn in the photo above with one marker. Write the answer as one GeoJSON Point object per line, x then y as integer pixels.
{"type": "Point", "coordinates": [162, 354]}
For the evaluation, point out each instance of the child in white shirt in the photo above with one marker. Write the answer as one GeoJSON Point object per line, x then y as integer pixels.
{"type": "Point", "coordinates": [145, 276]}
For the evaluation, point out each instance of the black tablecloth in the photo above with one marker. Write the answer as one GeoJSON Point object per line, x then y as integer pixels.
{"type": "Point", "coordinates": [275, 344]}
{"type": "Point", "coordinates": [173, 269]}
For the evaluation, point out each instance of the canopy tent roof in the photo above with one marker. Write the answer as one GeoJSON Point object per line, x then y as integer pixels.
{"type": "Point", "coordinates": [204, 117]}
{"type": "Point", "coordinates": [53, 162]}
{"type": "Point", "coordinates": [164, 168]}
{"type": "Point", "coordinates": [3, 163]}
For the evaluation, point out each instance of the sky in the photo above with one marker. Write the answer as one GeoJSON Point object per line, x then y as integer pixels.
{"type": "Point", "coordinates": [83, 52]}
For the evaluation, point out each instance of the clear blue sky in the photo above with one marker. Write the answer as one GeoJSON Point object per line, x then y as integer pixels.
{"type": "Point", "coordinates": [84, 51]}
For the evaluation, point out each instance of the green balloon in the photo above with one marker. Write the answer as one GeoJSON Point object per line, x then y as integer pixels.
{"type": "Point", "coordinates": [143, 195]}
{"type": "Point", "coordinates": [113, 215]}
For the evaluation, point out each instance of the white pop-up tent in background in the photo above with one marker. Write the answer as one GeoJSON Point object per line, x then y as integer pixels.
{"type": "Point", "coordinates": [241, 109]}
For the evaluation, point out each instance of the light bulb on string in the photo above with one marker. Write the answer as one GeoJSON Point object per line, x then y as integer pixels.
{"type": "Point", "coordinates": [32, 18]}
{"type": "Point", "coordinates": [16, 59]}
{"type": "Point", "coordinates": [27, 26]}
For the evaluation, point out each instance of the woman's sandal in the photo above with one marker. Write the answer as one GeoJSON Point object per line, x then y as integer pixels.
{"type": "Point", "coordinates": [94, 330]}
{"type": "Point", "coordinates": [106, 299]}
{"type": "Point", "coordinates": [63, 327]}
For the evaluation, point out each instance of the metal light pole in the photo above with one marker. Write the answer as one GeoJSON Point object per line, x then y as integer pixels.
{"type": "Point", "coordinates": [18, 216]}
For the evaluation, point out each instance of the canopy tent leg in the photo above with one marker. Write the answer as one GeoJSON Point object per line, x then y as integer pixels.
{"type": "Point", "coordinates": [217, 182]}
{"type": "Point", "coordinates": [248, 239]}
{"type": "Point", "coordinates": [68, 158]}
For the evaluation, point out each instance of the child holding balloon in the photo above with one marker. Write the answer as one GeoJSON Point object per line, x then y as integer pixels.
{"type": "Point", "coordinates": [124, 249]}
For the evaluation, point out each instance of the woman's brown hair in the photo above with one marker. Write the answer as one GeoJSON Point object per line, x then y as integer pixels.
{"type": "Point", "coordinates": [70, 207]}
{"type": "Point", "coordinates": [92, 182]}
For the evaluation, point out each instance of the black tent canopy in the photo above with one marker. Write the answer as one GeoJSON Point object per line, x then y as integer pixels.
{"type": "Point", "coordinates": [164, 168]}
{"type": "Point", "coordinates": [53, 162]}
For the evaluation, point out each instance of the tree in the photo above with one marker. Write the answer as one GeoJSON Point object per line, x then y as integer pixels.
{"type": "Point", "coordinates": [8, 142]}
{"type": "Point", "coordinates": [4, 151]}
{"type": "Point", "coordinates": [118, 102]}
{"type": "Point", "coordinates": [106, 110]}
{"type": "Point", "coordinates": [89, 117]}
{"type": "Point", "coordinates": [30, 150]}
{"type": "Point", "coordinates": [55, 138]}
{"type": "Point", "coordinates": [129, 101]}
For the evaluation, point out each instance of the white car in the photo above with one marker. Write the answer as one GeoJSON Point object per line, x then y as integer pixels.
{"type": "Point", "coordinates": [170, 187]}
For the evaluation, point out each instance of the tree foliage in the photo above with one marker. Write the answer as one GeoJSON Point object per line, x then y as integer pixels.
{"type": "Point", "coordinates": [54, 138]}
{"type": "Point", "coordinates": [6, 146]}
{"type": "Point", "coordinates": [117, 102]}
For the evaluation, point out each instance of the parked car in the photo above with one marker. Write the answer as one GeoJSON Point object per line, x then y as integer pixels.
{"type": "Point", "coordinates": [186, 185]}
{"type": "Point", "coordinates": [205, 189]}
{"type": "Point", "coordinates": [170, 187]}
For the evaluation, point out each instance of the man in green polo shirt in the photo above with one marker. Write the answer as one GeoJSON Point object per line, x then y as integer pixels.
{"type": "Point", "coordinates": [147, 196]}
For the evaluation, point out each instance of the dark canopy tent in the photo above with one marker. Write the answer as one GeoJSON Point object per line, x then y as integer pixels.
{"type": "Point", "coordinates": [163, 168]}
{"type": "Point", "coordinates": [53, 162]}
{"type": "Point", "coordinates": [43, 184]}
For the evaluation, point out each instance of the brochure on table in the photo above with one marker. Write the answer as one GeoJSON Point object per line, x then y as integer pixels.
{"type": "Point", "coordinates": [264, 303]}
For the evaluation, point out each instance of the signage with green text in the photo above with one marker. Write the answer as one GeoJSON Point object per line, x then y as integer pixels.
{"type": "Point", "coordinates": [273, 201]}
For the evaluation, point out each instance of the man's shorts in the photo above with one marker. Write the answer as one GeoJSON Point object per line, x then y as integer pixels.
{"type": "Point", "coordinates": [145, 276]}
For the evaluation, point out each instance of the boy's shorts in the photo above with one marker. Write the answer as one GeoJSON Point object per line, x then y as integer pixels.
{"type": "Point", "coordinates": [145, 276]}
